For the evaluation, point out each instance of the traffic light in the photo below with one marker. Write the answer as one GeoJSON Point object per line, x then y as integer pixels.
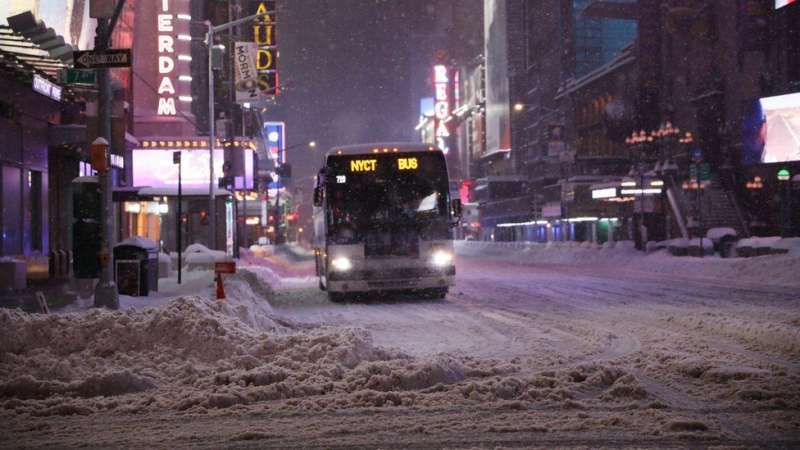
{"type": "Point", "coordinates": [284, 170]}
{"type": "Point", "coordinates": [225, 182]}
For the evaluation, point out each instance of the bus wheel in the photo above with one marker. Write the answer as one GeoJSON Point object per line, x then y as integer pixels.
{"type": "Point", "coordinates": [337, 297]}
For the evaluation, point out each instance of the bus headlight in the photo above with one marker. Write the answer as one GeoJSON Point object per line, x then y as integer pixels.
{"type": "Point", "coordinates": [341, 264]}
{"type": "Point", "coordinates": [441, 258]}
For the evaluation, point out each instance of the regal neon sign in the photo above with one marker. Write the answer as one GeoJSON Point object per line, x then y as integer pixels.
{"type": "Point", "coordinates": [441, 107]}
{"type": "Point", "coordinates": [166, 61]}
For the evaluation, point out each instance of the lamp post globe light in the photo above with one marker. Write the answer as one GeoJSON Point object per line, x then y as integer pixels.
{"type": "Point", "coordinates": [638, 142]}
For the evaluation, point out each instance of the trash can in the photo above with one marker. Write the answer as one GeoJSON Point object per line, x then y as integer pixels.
{"type": "Point", "coordinates": [13, 274]}
{"type": "Point", "coordinates": [136, 266]}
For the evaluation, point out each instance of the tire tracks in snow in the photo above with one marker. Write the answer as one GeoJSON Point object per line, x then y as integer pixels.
{"type": "Point", "coordinates": [577, 300]}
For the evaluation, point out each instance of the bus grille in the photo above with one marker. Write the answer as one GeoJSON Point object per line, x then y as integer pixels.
{"type": "Point", "coordinates": [391, 244]}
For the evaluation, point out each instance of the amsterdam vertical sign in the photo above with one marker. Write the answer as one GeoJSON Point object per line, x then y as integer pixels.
{"type": "Point", "coordinates": [166, 60]}
{"type": "Point", "coordinates": [265, 37]}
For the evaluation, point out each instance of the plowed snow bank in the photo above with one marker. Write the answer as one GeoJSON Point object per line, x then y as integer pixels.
{"type": "Point", "coordinates": [779, 270]}
{"type": "Point", "coordinates": [197, 354]}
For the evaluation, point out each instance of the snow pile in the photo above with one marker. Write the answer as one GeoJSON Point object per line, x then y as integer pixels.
{"type": "Point", "coordinates": [721, 232]}
{"type": "Point", "coordinates": [763, 333]}
{"type": "Point", "coordinates": [775, 269]}
{"type": "Point", "coordinates": [198, 355]}
{"type": "Point", "coordinates": [732, 383]}
{"type": "Point", "coordinates": [189, 348]}
{"type": "Point", "coordinates": [789, 245]}
{"type": "Point", "coordinates": [200, 257]}
{"type": "Point", "coordinates": [760, 246]}
{"type": "Point", "coordinates": [139, 241]}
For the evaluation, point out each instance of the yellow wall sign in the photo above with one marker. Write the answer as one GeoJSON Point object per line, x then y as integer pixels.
{"type": "Point", "coordinates": [407, 163]}
{"type": "Point", "coordinates": [363, 165]}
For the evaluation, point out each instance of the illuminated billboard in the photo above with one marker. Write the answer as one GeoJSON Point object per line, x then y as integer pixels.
{"type": "Point", "coordinates": [155, 168]}
{"type": "Point", "coordinates": [275, 136]}
{"type": "Point", "coordinates": [782, 3]}
{"type": "Point", "coordinates": [498, 97]}
{"type": "Point", "coordinates": [771, 132]}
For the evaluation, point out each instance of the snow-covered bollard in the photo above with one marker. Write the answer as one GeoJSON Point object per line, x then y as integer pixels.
{"type": "Point", "coordinates": [221, 267]}
{"type": "Point", "coordinates": [164, 265]}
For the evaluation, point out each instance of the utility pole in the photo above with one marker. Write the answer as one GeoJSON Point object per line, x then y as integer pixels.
{"type": "Point", "coordinates": [105, 293]}
{"type": "Point", "coordinates": [212, 30]}
{"type": "Point", "coordinates": [212, 201]}
{"type": "Point", "coordinates": [176, 159]}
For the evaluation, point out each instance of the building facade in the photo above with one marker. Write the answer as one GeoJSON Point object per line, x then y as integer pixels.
{"type": "Point", "coordinates": [641, 121]}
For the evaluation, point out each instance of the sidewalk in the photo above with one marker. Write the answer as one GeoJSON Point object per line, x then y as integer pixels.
{"type": "Point", "coordinates": [57, 292]}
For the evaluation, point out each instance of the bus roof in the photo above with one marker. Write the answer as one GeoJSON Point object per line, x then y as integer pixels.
{"type": "Point", "coordinates": [382, 147]}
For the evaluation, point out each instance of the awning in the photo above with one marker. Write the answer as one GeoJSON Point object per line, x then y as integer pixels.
{"type": "Point", "coordinates": [172, 191]}
{"type": "Point", "coordinates": [146, 193]}
{"type": "Point", "coordinates": [28, 48]}
{"type": "Point", "coordinates": [495, 152]}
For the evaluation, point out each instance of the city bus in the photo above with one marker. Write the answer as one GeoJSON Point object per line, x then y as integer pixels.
{"type": "Point", "coordinates": [382, 221]}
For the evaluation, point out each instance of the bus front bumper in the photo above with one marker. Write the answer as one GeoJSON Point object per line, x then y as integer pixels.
{"type": "Point", "coordinates": [395, 279]}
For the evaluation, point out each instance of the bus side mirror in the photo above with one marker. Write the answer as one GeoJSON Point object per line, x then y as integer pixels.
{"type": "Point", "coordinates": [318, 196]}
{"type": "Point", "coordinates": [455, 208]}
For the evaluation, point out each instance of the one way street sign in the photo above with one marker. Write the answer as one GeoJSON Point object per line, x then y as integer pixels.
{"type": "Point", "coordinates": [94, 59]}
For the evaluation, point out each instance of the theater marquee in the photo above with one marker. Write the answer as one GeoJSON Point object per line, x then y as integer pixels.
{"type": "Point", "coordinates": [264, 35]}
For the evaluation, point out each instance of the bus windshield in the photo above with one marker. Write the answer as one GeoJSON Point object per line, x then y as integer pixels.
{"type": "Point", "coordinates": [370, 194]}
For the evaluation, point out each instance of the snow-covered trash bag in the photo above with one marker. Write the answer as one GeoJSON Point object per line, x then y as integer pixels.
{"type": "Point", "coordinates": [700, 247]}
{"type": "Point", "coordinates": [756, 246]}
{"type": "Point", "coordinates": [787, 245]}
{"type": "Point", "coordinates": [678, 247]}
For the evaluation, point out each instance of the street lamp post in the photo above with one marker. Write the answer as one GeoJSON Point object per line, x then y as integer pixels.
{"type": "Point", "coordinates": [637, 141]}
{"type": "Point", "coordinates": [212, 30]}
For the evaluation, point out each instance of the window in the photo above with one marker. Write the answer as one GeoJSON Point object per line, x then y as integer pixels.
{"type": "Point", "coordinates": [35, 189]}
{"type": "Point", "coordinates": [11, 217]}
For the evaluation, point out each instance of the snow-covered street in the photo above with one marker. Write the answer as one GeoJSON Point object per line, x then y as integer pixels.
{"type": "Point", "coordinates": [603, 353]}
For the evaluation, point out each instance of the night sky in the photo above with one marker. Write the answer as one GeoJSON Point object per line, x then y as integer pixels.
{"type": "Point", "coordinates": [353, 70]}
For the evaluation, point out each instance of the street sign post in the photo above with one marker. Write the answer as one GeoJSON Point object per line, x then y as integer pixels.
{"type": "Point", "coordinates": [77, 76]}
{"type": "Point", "coordinates": [98, 59]}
